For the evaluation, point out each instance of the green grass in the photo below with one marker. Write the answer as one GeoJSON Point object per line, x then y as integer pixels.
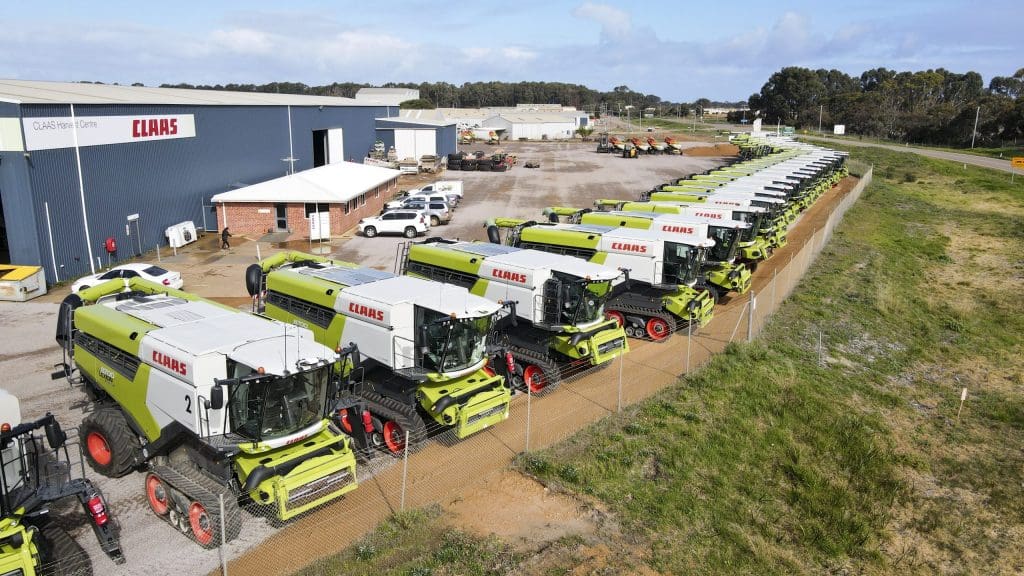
{"type": "Point", "coordinates": [417, 543]}
{"type": "Point", "coordinates": [1004, 152]}
{"type": "Point", "coordinates": [767, 461]}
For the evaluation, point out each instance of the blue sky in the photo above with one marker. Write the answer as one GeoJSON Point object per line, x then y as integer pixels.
{"type": "Point", "coordinates": [679, 50]}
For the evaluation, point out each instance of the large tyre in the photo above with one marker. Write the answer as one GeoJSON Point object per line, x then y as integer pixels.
{"type": "Point", "coordinates": [369, 231]}
{"type": "Point", "coordinates": [110, 446]}
{"type": "Point", "coordinates": [435, 221]}
{"type": "Point", "coordinates": [409, 232]}
{"type": "Point", "coordinates": [60, 554]}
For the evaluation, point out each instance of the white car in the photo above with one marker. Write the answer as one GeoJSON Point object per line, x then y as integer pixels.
{"type": "Point", "coordinates": [404, 201]}
{"type": "Point", "coordinates": [140, 270]}
{"type": "Point", "coordinates": [408, 223]}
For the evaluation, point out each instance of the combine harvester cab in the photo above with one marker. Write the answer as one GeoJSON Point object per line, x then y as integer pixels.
{"type": "Point", "coordinates": [754, 244]}
{"type": "Point", "coordinates": [37, 470]}
{"type": "Point", "coordinates": [424, 345]}
{"type": "Point", "coordinates": [663, 270]}
{"type": "Point", "coordinates": [722, 273]}
{"type": "Point", "coordinates": [216, 401]}
{"type": "Point", "coordinates": [559, 329]}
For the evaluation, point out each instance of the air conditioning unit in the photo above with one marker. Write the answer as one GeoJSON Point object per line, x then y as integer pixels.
{"type": "Point", "coordinates": [181, 234]}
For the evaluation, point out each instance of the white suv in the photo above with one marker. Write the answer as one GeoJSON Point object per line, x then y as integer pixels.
{"type": "Point", "coordinates": [408, 223]}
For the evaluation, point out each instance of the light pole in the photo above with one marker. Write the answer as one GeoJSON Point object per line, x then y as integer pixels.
{"type": "Point", "coordinates": [975, 132]}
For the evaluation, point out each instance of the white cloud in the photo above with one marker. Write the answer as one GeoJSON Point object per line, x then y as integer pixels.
{"type": "Point", "coordinates": [243, 41]}
{"type": "Point", "coordinates": [518, 54]}
{"type": "Point", "coordinates": [615, 24]}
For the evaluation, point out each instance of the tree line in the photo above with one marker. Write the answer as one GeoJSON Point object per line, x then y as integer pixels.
{"type": "Point", "coordinates": [931, 106]}
{"type": "Point", "coordinates": [484, 94]}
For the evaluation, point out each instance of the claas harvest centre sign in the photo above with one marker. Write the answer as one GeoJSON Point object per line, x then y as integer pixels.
{"type": "Point", "coordinates": [49, 133]}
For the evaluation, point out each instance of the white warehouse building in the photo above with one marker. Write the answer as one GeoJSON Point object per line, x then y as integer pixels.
{"type": "Point", "coordinates": [534, 125]}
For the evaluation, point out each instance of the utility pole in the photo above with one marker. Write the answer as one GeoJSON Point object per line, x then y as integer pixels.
{"type": "Point", "coordinates": [975, 132]}
{"type": "Point", "coordinates": [821, 108]}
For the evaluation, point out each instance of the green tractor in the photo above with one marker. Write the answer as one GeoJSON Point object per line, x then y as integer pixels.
{"type": "Point", "coordinates": [215, 404]}
{"type": "Point", "coordinates": [37, 473]}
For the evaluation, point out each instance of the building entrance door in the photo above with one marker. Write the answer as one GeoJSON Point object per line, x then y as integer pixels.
{"type": "Point", "coordinates": [282, 216]}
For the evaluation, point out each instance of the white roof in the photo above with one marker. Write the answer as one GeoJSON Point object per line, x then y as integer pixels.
{"type": "Point", "coordinates": [439, 296]}
{"type": "Point", "coordinates": [668, 217]}
{"type": "Point", "coordinates": [333, 183]}
{"type": "Point", "coordinates": [200, 327]}
{"type": "Point", "coordinates": [386, 96]}
{"type": "Point", "coordinates": [534, 259]}
{"type": "Point", "coordinates": [538, 118]}
{"type": "Point", "coordinates": [659, 236]}
{"type": "Point", "coordinates": [424, 117]}
{"type": "Point", "coordinates": [38, 92]}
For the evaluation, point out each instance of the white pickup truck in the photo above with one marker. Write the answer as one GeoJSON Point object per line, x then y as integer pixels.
{"type": "Point", "coordinates": [450, 189]}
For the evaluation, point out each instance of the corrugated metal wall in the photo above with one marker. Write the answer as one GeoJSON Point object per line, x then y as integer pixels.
{"type": "Point", "coordinates": [166, 181]}
{"type": "Point", "coordinates": [446, 140]}
{"type": "Point", "coordinates": [16, 195]}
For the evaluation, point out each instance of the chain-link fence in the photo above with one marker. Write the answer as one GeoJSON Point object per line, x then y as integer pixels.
{"type": "Point", "coordinates": [421, 466]}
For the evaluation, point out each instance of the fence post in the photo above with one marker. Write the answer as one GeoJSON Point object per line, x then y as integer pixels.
{"type": "Point", "coordinates": [750, 316]}
{"type": "Point", "coordinates": [820, 362]}
{"type": "Point", "coordinates": [622, 360]}
{"type": "Point", "coordinates": [529, 402]}
{"type": "Point", "coordinates": [775, 279]}
{"type": "Point", "coordinates": [223, 537]}
{"type": "Point", "coordinates": [158, 253]}
{"type": "Point", "coordinates": [405, 469]}
{"type": "Point", "coordinates": [689, 333]}
{"type": "Point", "coordinates": [258, 258]}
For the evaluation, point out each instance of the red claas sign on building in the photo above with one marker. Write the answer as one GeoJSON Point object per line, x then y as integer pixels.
{"type": "Point", "coordinates": [60, 131]}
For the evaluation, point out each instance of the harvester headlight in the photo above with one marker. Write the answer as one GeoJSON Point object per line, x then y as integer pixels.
{"type": "Point", "coordinates": [5, 427]}
{"type": "Point", "coordinates": [261, 370]}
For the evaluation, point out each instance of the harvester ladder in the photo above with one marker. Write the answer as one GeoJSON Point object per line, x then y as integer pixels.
{"type": "Point", "coordinates": [402, 257]}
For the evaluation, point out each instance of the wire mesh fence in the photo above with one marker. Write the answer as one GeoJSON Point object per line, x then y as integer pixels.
{"type": "Point", "coordinates": [431, 464]}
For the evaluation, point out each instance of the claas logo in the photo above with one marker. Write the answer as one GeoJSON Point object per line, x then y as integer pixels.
{"type": "Point", "coordinates": [366, 311]}
{"type": "Point", "coordinates": [172, 364]}
{"type": "Point", "coordinates": [640, 248]}
{"type": "Point", "coordinates": [714, 215]}
{"type": "Point", "coordinates": [144, 127]}
{"type": "Point", "coordinates": [677, 229]}
{"type": "Point", "coordinates": [518, 277]}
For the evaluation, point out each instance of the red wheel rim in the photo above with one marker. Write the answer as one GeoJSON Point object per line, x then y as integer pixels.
{"type": "Point", "coordinates": [199, 520]}
{"type": "Point", "coordinates": [489, 372]}
{"type": "Point", "coordinates": [657, 329]}
{"type": "Point", "coordinates": [98, 448]}
{"type": "Point", "coordinates": [534, 378]}
{"type": "Point", "coordinates": [394, 436]}
{"type": "Point", "coordinates": [617, 316]}
{"type": "Point", "coordinates": [343, 420]}
{"type": "Point", "coordinates": [157, 495]}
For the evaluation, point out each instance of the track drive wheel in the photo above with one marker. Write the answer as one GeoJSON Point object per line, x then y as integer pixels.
{"type": "Point", "coordinates": [201, 496]}
{"type": "Point", "coordinates": [111, 448]}
{"type": "Point", "coordinates": [617, 316]}
{"type": "Point", "coordinates": [660, 328]}
{"type": "Point", "coordinates": [396, 418]}
{"type": "Point", "coordinates": [536, 373]}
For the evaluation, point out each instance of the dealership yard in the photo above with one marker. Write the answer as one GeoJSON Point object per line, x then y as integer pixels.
{"type": "Point", "coordinates": [570, 174]}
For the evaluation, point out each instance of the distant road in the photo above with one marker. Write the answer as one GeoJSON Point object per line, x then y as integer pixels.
{"type": "Point", "coordinates": [983, 161]}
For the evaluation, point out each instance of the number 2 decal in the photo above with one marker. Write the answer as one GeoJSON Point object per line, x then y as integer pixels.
{"type": "Point", "coordinates": [188, 404]}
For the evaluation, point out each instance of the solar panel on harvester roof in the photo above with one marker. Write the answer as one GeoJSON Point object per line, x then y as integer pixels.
{"type": "Point", "coordinates": [347, 276]}
{"type": "Point", "coordinates": [591, 228]}
{"type": "Point", "coordinates": [484, 249]}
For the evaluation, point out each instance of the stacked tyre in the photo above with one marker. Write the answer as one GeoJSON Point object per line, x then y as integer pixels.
{"type": "Point", "coordinates": [469, 164]}
{"type": "Point", "coordinates": [484, 165]}
{"type": "Point", "coordinates": [455, 161]}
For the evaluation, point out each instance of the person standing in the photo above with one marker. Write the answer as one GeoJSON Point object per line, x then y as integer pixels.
{"type": "Point", "coordinates": [224, 235]}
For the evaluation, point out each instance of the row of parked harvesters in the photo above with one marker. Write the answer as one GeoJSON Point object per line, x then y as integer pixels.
{"type": "Point", "coordinates": [337, 362]}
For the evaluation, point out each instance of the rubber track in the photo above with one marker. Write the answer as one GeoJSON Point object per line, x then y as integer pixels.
{"type": "Point", "coordinates": [670, 319]}
{"type": "Point", "coordinates": [405, 414]}
{"type": "Point", "coordinates": [546, 363]}
{"type": "Point", "coordinates": [201, 488]}
{"type": "Point", "coordinates": [61, 555]}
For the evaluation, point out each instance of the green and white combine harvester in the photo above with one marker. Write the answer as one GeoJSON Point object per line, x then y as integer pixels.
{"type": "Point", "coordinates": [559, 327]}
{"type": "Point", "coordinates": [37, 471]}
{"type": "Point", "coordinates": [755, 242]}
{"type": "Point", "coordinates": [663, 268]}
{"type": "Point", "coordinates": [721, 272]}
{"type": "Point", "coordinates": [424, 345]}
{"type": "Point", "coordinates": [209, 400]}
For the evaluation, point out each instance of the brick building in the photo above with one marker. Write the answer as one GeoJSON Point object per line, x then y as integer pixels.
{"type": "Point", "coordinates": [309, 203]}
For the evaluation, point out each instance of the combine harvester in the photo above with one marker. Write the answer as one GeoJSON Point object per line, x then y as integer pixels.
{"type": "Point", "coordinates": [559, 329]}
{"type": "Point", "coordinates": [616, 144]}
{"type": "Point", "coordinates": [721, 272]}
{"type": "Point", "coordinates": [755, 241]}
{"type": "Point", "coordinates": [671, 143]}
{"type": "Point", "coordinates": [774, 210]}
{"type": "Point", "coordinates": [423, 343]}
{"type": "Point", "coordinates": [640, 145]}
{"type": "Point", "coordinates": [663, 267]}
{"type": "Point", "coordinates": [656, 147]}
{"type": "Point", "coordinates": [217, 404]}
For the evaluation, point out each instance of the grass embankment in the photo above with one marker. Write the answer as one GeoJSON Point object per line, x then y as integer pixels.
{"type": "Point", "coordinates": [768, 461]}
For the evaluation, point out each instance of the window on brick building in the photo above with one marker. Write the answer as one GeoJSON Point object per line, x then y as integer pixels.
{"type": "Point", "coordinates": [362, 199]}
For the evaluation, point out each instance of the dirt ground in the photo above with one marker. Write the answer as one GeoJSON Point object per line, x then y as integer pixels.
{"type": "Point", "coordinates": [450, 473]}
